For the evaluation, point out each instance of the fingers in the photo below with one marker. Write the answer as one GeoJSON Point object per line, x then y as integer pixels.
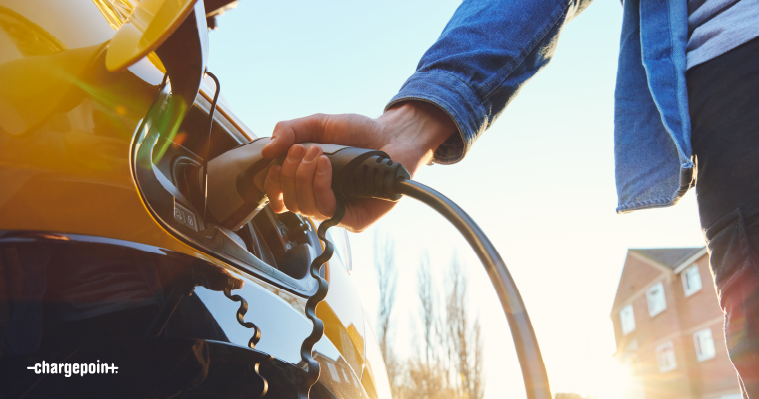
{"type": "Point", "coordinates": [303, 184]}
{"type": "Point", "coordinates": [287, 178]}
{"type": "Point", "coordinates": [287, 133]}
{"type": "Point", "coordinates": [315, 197]}
{"type": "Point", "coordinates": [323, 194]}
{"type": "Point", "coordinates": [274, 189]}
{"type": "Point", "coordinates": [304, 179]}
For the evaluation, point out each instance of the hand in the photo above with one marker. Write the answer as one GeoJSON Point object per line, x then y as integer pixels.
{"type": "Point", "coordinates": [409, 133]}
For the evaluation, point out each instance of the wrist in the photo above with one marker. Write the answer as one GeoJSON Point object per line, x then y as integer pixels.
{"type": "Point", "coordinates": [419, 124]}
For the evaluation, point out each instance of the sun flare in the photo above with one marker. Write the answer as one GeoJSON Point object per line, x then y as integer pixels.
{"type": "Point", "coordinates": [615, 381]}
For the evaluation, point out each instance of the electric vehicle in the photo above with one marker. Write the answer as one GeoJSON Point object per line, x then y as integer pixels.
{"type": "Point", "coordinates": [107, 255]}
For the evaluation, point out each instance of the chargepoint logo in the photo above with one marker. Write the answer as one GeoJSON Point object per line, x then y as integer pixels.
{"type": "Point", "coordinates": [69, 369]}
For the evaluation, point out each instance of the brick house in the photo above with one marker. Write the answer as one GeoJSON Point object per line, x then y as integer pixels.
{"type": "Point", "coordinates": [668, 327]}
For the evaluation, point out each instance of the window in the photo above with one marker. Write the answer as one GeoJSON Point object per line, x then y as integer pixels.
{"type": "Point", "coordinates": [704, 344]}
{"type": "Point", "coordinates": [627, 319]}
{"type": "Point", "coordinates": [691, 280]}
{"type": "Point", "coordinates": [665, 357]}
{"type": "Point", "coordinates": [655, 298]}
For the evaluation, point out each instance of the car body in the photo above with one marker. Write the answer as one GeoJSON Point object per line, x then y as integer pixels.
{"type": "Point", "coordinates": [104, 250]}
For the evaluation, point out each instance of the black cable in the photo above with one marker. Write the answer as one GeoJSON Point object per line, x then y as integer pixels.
{"type": "Point", "coordinates": [207, 149]}
{"type": "Point", "coordinates": [241, 311]}
{"type": "Point", "coordinates": [312, 372]}
{"type": "Point", "coordinates": [363, 173]}
{"type": "Point", "coordinates": [528, 351]}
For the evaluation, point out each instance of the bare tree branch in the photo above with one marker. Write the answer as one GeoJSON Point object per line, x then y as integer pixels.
{"type": "Point", "coordinates": [449, 363]}
{"type": "Point", "coordinates": [384, 263]}
{"type": "Point", "coordinates": [427, 299]}
{"type": "Point", "coordinates": [464, 339]}
{"type": "Point", "coordinates": [387, 276]}
{"type": "Point", "coordinates": [477, 387]}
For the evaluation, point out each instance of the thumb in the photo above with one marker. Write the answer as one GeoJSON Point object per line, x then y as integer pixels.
{"type": "Point", "coordinates": [287, 133]}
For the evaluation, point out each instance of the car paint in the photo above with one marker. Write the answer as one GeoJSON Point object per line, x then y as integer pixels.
{"type": "Point", "coordinates": [66, 129]}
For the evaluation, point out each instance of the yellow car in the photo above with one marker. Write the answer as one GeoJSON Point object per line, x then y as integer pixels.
{"type": "Point", "coordinates": [114, 282]}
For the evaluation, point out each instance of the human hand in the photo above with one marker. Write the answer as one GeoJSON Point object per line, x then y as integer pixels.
{"type": "Point", "coordinates": [409, 134]}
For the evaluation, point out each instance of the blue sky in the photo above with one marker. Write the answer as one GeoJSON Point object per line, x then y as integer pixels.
{"type": "Point", "coordinates": [540, 182]}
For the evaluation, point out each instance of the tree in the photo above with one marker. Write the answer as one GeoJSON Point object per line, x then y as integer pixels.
{"type": "Point", "coordinates": [449, 363]}
{"type": "Point", "coordinates": [387, 276]}
{"type": "Point", "coordinates": [428, 300]}
{"type": "Point", "coordinates": [464, 340]}
{"type": "Point", "coordinates": [428, 372]}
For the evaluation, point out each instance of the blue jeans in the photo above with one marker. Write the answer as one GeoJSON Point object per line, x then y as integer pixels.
{"type": "Point", "coordinates": [724, 109]}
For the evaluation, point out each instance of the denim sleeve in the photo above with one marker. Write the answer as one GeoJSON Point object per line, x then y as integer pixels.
{"type": "Point", "coordinates": [484, 56]}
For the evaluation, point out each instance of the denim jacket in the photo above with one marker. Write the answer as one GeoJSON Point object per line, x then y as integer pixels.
{"type": "Point", "coordinates": [491, 48]}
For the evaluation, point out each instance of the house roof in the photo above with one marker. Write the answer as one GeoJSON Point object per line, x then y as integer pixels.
{"type": "Point", "coordinates": [670, 257]}
{"type": "Point", "coordinates": [661, 259]}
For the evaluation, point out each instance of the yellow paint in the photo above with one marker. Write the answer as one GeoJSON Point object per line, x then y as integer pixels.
{"type": "Point", "coordinates": [150, 23]}
{"type": "Point", "coordinates": [342, 337]}
{"type": "Point", "coordinates": [117, 12]}
{"type": "Point", "coordinates": [344, 318]}
{"type": "Point", "coordinates": [30, 39]}
{"type": "Point", "coordinates": [66, 126]}
{"type": "Point", "coordinates": [66, 129]}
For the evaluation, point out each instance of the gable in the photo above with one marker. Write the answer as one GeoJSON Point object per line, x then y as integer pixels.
{"type": "Point", "coordinates": [637, 274]}
{"type": "Point", "coordinates": [669, 257]}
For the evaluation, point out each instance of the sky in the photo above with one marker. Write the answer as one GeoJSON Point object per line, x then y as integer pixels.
{"type": "Point", "coordinates": [539, 182]}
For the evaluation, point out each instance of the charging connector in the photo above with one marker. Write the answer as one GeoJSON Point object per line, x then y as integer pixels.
{"type": "Point", "coordinates": [236, 179]}
{"type": "Point", "coordinates": [236, 193]}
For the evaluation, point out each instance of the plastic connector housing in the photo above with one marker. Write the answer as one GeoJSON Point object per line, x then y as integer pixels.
{"type": "Point", "coordinates": [374, 177]}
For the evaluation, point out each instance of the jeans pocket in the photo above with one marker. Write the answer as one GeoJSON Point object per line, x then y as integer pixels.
{"type": "Point", "coordinates": [737, 279]}
{"type": "Point", "coordinates": [729, 253]}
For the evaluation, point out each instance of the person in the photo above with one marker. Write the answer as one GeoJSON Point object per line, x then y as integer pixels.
{"type": "Point", "coordinates": [686, 100]}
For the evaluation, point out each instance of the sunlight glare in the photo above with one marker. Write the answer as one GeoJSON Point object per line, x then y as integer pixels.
{"type": "Point", "coordinates": [615, 380]}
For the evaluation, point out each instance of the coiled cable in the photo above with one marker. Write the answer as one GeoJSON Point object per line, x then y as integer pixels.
{"type": "Point", "coordinates": [318, 326]}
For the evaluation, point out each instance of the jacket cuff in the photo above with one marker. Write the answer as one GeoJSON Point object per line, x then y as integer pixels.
{"type": "Point", "coordinates": [456, 99]}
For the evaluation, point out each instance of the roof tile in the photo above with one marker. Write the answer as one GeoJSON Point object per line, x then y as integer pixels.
{"type": "Point", "coordinates": [670, 257]}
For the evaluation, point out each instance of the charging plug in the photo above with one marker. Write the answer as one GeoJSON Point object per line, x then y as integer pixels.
{"type": "Point", "coordinates": [236, 179]}
{"type": "Point", "coordinates": [236, 193]}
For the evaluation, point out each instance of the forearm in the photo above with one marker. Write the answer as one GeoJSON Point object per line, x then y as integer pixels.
{"type": "Point", "coordinates": [486, 53]}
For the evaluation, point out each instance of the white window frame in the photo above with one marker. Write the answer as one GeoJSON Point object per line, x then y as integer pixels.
{"type": "Point", "coordinates": [629, 326]}
{"type": "Point", "coordinates": [685, 276]}
{"type": "Point", "coordinates": [665, 357]}
{"type": "Point", "coordinates": [703, 339]}
{"type": "Point", "coordinates": [654, 308]}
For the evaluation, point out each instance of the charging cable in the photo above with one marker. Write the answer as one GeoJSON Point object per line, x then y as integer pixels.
{"type": "Point", "coordinates": [236, 194]}
{"type": "Point", "coordinates": [379, 177]}
{"type": "Point", "coordinates": [528, 351]}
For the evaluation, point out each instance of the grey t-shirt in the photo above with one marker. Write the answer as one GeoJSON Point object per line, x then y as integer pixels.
{"type": "Point", "coordinates": [718, 26]}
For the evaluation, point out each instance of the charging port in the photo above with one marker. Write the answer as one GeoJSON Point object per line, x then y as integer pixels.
{"type": "Point", "coordinates": [281, 241]}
